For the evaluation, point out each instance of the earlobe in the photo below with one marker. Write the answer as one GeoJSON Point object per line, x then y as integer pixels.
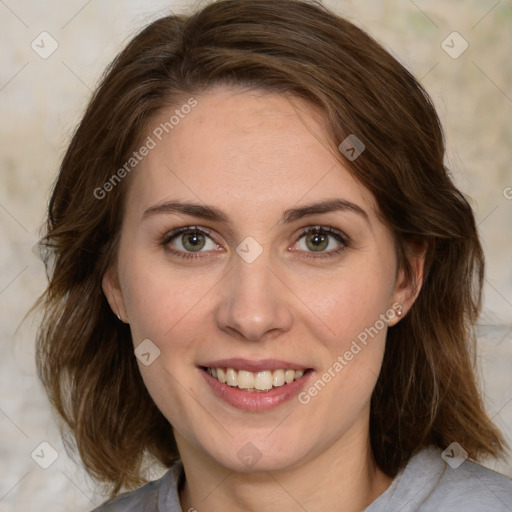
{"type": "Point", "coordinates": [112, 291]}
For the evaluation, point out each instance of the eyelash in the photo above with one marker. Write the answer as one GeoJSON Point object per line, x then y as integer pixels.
{"type": "Point", "coordinates": [340, 237]}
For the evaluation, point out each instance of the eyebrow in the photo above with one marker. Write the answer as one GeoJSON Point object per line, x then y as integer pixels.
{"type": "Point", "coordinates": [212, 213]}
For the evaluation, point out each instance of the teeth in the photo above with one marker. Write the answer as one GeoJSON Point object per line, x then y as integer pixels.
{"type": "Point", "coordinates": [245, 379]}
{"type": "Point", "coordinates": [221, 374]}
{"type": "Point", "coordinates": [278, 378]}
{"type": "Point", "coordinates": [259, 381]}
{"type": "Point", "coordinates": [231, 377]}
{"type": "Point", "coordinates": [263, 380]}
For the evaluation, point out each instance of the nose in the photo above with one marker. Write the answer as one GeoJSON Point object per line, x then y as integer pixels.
{"type": "Point", "coordinates": [255, 304]}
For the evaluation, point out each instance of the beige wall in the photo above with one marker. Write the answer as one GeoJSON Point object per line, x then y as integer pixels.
{"type": "Point", "coordinates": [41, 101]}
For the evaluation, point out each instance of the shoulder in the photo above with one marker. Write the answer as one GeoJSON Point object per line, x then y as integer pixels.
{"type": "Point", "coordinates": [158, 495]}
{"type": "Point", "coordinates": [472, 487]}
{"type": "Point", "coordinates": [428, 484]}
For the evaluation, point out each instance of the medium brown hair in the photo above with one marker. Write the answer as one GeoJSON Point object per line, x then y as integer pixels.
{"type": "Point", "coordinates": [426, 392]}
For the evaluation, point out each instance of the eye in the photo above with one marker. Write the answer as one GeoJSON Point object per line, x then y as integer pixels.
{"type": "Point", "coordinates": [322, 240]}
{"type": "Point", "coordinates": [316, 242]}
{"type": "Point", "coordinates": [188, 240]}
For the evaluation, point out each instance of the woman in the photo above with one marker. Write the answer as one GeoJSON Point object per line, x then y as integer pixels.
{"type": "Point", "coordinates": [264, 277]}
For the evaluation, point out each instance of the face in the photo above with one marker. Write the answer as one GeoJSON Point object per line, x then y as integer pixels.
{"type": "Point", "coordinates": [281, 265]}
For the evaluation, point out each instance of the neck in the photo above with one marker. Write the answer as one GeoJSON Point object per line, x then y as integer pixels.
{"type": "Point", "coordinates": [343, 477]}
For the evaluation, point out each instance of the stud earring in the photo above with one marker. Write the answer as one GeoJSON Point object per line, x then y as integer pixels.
{"type": "Point", "coordinates": [119, 318]}
{"type": "Point", "coordinates": [399, 312]}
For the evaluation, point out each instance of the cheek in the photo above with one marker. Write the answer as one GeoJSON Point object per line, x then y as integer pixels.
{"type": "Point", "coordinates": [354, 308]}
{"type": "Point", "coordinates": [352, 302]}
{"type": "Point", "coordinates": [353, 346]}
{"type": "Point", "coordinates": [159, 300]}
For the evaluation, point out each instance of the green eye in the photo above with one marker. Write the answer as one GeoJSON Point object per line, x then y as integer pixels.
{"type": "Point", "coordinates": [317, 241]}
{"type": "Point", "coordinates": [313, 242]}
{"type": "Point", "coordinates": [189, 240]}
{"type": "Point", "coordinates": [193, 241]}
{"type": "Point", "coordinates": [324, 241]}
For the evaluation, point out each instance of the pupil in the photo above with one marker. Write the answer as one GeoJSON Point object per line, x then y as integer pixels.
{"type": "Point", "coordinates": [318, 241]}
{"type": "Point", "coordinates": [193, 241]}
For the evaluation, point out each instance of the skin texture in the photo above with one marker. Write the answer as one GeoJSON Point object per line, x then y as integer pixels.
{"type": "Point", "coordinates": [255, 155]}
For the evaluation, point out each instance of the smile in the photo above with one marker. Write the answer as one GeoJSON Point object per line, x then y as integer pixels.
{"type": "Point", "coordinates": [255, 386]}
{"type": "Point", "coordinates": [255, 381]}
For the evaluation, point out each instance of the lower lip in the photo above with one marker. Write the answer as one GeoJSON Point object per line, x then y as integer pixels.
{"type": "Point", "coordinates": [256, 400]}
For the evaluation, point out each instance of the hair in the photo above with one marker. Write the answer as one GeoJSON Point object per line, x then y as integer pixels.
{"type": "Point", "coordinates": [426, 393]}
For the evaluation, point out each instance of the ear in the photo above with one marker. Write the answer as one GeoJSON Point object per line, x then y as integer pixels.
{"type": "Point", "coordinates": [407, 288]}
{"type": "Point", "coordinates": [112, 291]}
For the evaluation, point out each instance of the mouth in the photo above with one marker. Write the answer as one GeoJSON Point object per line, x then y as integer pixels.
{"type": "Point", "coordinates": [255, 386]}
{"type": "Point", "coordinates": [254, 382]}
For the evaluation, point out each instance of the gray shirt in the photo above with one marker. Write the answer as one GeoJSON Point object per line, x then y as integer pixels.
{"type": "Point", "coordinates": [426, 484]}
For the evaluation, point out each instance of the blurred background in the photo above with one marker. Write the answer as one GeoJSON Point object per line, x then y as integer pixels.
{"type": "Point", "coordinates": [54, 53]}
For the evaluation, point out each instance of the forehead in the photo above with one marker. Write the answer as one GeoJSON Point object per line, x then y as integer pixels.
{"type": "Point", "coordinates": [254, 150]}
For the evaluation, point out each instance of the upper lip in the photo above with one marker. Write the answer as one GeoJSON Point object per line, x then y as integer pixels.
{"type": "Point", "coordinates": [254, 365]}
